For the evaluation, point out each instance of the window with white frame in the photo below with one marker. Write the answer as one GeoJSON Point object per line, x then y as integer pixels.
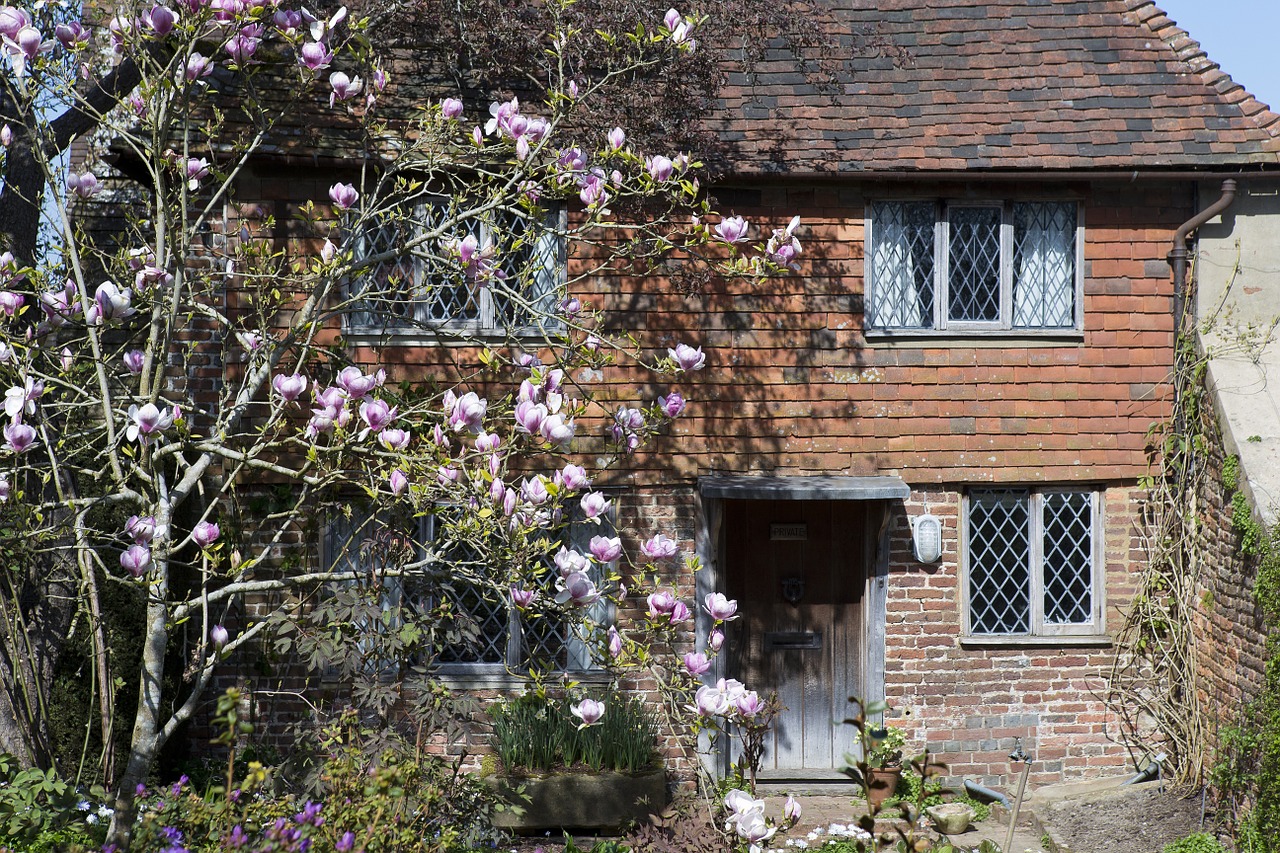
{"type": "Point", "coordinates": [487, 632]}
{"type": "Point", "coordinates": [1033, 562]}
{"type": "Point", "coordinates": [973, 266]}
{"type": "Point", "coordinates": [417, 282]}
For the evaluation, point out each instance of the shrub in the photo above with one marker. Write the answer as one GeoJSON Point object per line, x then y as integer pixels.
{"type": "Point", "coordinates": [1200, 842]}
{"type": "Point", "coordinates": [535, 732]}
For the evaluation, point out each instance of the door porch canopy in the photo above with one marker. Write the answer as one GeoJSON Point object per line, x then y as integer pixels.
{"type": "Point", "coordinates": [801, 488]}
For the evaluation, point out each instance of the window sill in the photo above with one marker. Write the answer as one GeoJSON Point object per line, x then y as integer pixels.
{"type": "Point", "coordinates": [495, 677]}
{"type": "Point", "coordinates": [918, 338]}
{"type": "Point", "coordinates": [1075, 641]}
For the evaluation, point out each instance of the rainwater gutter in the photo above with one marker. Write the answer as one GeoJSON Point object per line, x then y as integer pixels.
{"type": "Point", "coordinates": [1179, 255]}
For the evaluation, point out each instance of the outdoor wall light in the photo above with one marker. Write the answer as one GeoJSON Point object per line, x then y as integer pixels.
{"type": "Point", "coordinates": [926, 537]}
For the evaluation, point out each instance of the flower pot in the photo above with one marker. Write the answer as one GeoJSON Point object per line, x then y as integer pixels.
{"type": "Point", "coordinates": [579, 800]}
{"type": "Point", "coordinates": [950, 818]}
{"type": "Point", "coordinates": [882, 781]}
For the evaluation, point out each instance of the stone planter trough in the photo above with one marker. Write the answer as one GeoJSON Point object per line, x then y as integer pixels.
{"type": "Point", "coordinates": [580, 800]}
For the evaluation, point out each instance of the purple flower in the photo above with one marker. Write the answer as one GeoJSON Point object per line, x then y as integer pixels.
{"type": "Point", "coordinates": [715, 640]}
{"type": "Point", "coordinates": [606, 549]}
{"type": "Point", "coordinates": [529, 416]}
{"type": "Point", "coordinates": [205, 534]}
{"type": "Point", "coordinates": [4, 488]}
{"type": "Point", "coordinates": [10, 302]}
{"type": "Point", "coordinates": [346, 842]}
{"type": "Point", "coordinates": [578, 589]}
{"type": "Point", "coordinates": [522, 598]}
{"type": "Point", "coordinates": [111, 303]}
{"type": "Point", "coordinates": [687, 358]}
{"type": "Point", "coordinates": [160, 20]}
{"type": "Point", "coordinates": [719, 607]}
{"type": "Point", "coordinates": [344, 196]}
{"type": "Point", "coordinates": [488, 442]}
{"type": "Point", "coordinates": [357, 384]}
{"type": "Point", "coordinates": [289, 387]}
{"type": "Point", "coordinates": [573, 477]}
{"type": "Point", "coordinates": [671, 19]}
{"type": "Point", "coordinates": [72, 36]}
{"type": "Point", "coordinates": [451, 108]}
{"type": "Point", "coordinates": [136, 560]}
{"type": "Point", "coordinates": [141, 527]}
{"type": "Point", "coordinates": [594, 505]}
{"type": "Point", "coordinates": [783, 246]}
{"type": "Point", "coordinates": [732, 229]}
{"type": "Point", "coordinates": [557, 430]}
{"type": "Point", "coordinates": [696, 664]}
{"type": "Point", "coordinates": [344, 88]}
{"type": "Point", "coordinates": [679, 613]}
{"type": "Point", "coordinates": [147, 421]}
{"type": "Point", "coordinates": [196, 67]}
{"type": "Point", "coordinates": [791, 809]}
{"type": "Point", "coordinates": [534, 491]}
{"type": "Point", "coordinates": [661, 603]}
{"type": "Point", "coordinates": [218, 636]}
{"type": "Point", "coordinates": [589, 711]}
{"type": "Point", "coordinates": [569, 561]}
{"type": "Point", "coordinates": [21, 399]}
{"type": "Point", "coordinates": [377, 415]}
{"type": "Point", "coordinates": [617, 138]}
{"type": "Point", "coordinates": [467, 413]}
{"type": "Point", "coordinates": [314, 56]}
{"type": "Point", "coordinates": [615, 642]}
{"type": "Point", "coordinates": [6, 136]}
{"type": "Point", "coordinates": [672, 404]}
{"type": "Point", "coordinates": [397, 482]}
{"type": "Point", "coordinates": [447, 474]}
{"type": "Point", "coordinates": [749, 703]}
{"type": "Point", "coordinates": [711, 702]}
{"type": "Point", "coordinates": [196, 169]}
{"type": "Point", "coordinates": [660, 168]}
{"type": "Point", "coordinates": [251, 341]}
{"type": "Point", "coordinates": [133, 360]}
{"type": "Point", "coordinates": [84, 185]}
{"type": "Point", "coordinates": [659, 547]}
{"type": "Point", "coordinates": [243, 45]}
{"type": "Point", "coordinates": [394, 439]}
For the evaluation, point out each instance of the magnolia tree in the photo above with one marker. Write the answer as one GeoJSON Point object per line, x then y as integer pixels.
{"type": "Point", "coordinates": [170, 359]}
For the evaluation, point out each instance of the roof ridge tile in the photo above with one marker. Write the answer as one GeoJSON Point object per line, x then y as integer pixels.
{"type": "Point", "coordinates": [1185, 48]}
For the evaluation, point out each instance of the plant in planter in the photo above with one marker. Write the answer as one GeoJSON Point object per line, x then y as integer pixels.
{"type": "Point", "coordinates": [884, 762]}
{"type": "Point", "coordinates": [589, 764]}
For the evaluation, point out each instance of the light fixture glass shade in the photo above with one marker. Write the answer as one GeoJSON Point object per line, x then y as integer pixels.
{"type": "Point", "coordinates": [926, 537]}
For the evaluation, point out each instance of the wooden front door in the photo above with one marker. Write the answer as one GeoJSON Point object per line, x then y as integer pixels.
{"type": "Point", "coordinates": [798, 571]}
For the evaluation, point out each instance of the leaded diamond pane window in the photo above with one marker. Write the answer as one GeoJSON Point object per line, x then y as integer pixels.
{"type": "Point", "coordinates": [1032, 563]}
{"type": "Point", "coordinates": [901, 261]}
{"type": "Point", "coordinates": [973, 266]}
{"type": "Point", "coordinates": [412, 280]}
{"type": "Point", "coordinates": [999, 563]}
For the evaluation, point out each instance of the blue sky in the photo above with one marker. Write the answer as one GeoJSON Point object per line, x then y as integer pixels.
{"type": "Point", "coordinates": [1239, 35]}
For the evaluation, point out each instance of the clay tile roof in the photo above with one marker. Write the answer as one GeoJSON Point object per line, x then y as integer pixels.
{"type": "Point", "coordinates": [1002, 84]}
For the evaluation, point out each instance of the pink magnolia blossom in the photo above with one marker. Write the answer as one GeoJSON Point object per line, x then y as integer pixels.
{"type": "Point", "coordinates": [72, 36]}
{"type": "Point", "coordinates": [671, 19]}
{"type": "Point", "coordinates": [85, 185]}
{"type": "Point", "coordinates": [732, 229]}
{"type": "Point", "coordinates": [529, 416]}
{"type": "Point", "coordinates": [147, 421]}
{"type": "Point", "coordinates": [577, 589]}
{"type": "Point", "coordinates": [377, 415]}
{"type": "Point", "coordinates": [487, 442]}
{"type": "Point", "coordinates": [615, 642]}
{"type": "Point", "coordinates": [497, 490]}
{"type": "Point", "coordinates": [589, 711]}
{"type": "Point", "coordinates": [289, 387]}
{"type": "Point", "coordinates": [196, 67]}
{"type": "Point", "coordinates": [6, 136]}
{"type": "Point", "coordinates": [315, 56]}
{"type": "Point", "coordinates": [687, 358]}
{"type": "Point", "coordinates": [594, 505]}
{"type": "Point", "coordinates": [468, 413]}
{"type": "Point", "coordinates": [661, 603]}
{"type": "Point", "coordinates": [719, 607]}
{"type": "Point", "coordinates": [659, 547]}
{"type": "Point", "coordinates": [344, 196]}
{"type": "Point", "coordinates": [141, 527]}
{"type": "Point", "coordinates": [617, 138]}
{"type": "Point", "coordinates": [534, 491]}
{"type": "Point", "coordinates": [573, 477]}
{"type": "Point", "coordinates": [133, 360]}
{"type": "Point", "coordinates": [522, 598]}
{"type": "Point", "coordinates": [13, 19]}
{"type": "Point", "coordinates": [23, 47]}
{"type": "Point", "coordinates": [4, 488]}
{"type": "Point", "coordinates": [205, 534]}
{"type": "Point", "coordinates": [218, 636]}
{"type": "Point", "coordinates": [447, 475]}
{"type": "Point", "coordinates": [196, 169]}
{"type": "Point", "coordinates": [557, 429]}
{"type": "Point", "coordinates": [136, 559]}
{"type": "Point", "coordinates": [243, 45]}
{"type": "Point", "coordinates": [569, 561]}
{"type": "Point", "coordinates": [711, 702]}
{"type": "Point", "coordinates": [397, 482]}
{"type": "Point", "coordinates": [344, 88]}
{"type": "Point", "coordinates": [783, 246]}
{"type": "Point", "coordinates": [672, 404]}
{"type": "Point", "coordinates": [715, 640]}
{"type": "Point", "coordinates": [606, 549]}
{"type": "Point", "coordinates": [21, 399]}
{"type": "Point", "coordinates": [659, 168]}
{"type": "Point", "coordinates": [477, 261]}
{"type": "Point", "coordinates": [451, 108]}
{"type": "Point", "coordinates": [696, 664]}
{"type": "Point", "coordinates": [251, 341]}
{"type": "Point", "coordinates": [160, 20]}
{"type": "Point", "coordinates": [394, 439]}
{"type": "Point", "coordinates": [791, 810]}
{"type": "Point", "coordinates": [10, 302]}
{"type": "Point", "coordinates": [749, 703]}
{"type": "Point", "coordinates": [679, 613]}
{"type": "Point", "coordinates": [19, 437]}
{"type": "Point", "coordinates": [356, 384]}
{"type": "Point", "coordinates": [110, 303]}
